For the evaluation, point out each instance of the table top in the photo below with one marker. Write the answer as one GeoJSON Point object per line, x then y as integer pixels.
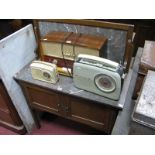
{"type": "Point", "coordinates": [66, 85]}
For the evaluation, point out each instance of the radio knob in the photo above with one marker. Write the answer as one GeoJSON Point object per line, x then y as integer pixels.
{"type": "Point", "coordinates": [47, 75]}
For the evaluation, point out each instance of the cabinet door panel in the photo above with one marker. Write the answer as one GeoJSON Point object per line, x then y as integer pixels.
{"type": "Point", "coordinates": [92, 114]}
{"type": "Point", "coordinates": [8, 114]}
{"type": "Point", "coordinates": [5, 114]}
{"type": "Point", "coordinates": [3, 105]}
{"type": "Point", "coordinates": [42, 99]}
{"type": "Point", "coordinates": [6, 117]}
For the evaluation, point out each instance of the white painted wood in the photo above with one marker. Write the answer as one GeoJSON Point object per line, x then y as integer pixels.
{"type": "Point", "coordinates": [16, 51]}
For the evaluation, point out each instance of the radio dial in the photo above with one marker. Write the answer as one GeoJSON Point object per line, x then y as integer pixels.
{"type": "Point", "coordinates": [105, 83]}
{"type": "Point", "coordinates": [46, 75]}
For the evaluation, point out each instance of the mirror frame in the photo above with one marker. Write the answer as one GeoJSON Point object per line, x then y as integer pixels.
{"type": "Point", "coordinates": [94, 23]}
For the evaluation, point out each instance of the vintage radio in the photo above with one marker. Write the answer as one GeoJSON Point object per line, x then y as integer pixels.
{"type": "Point", "coordinates": [67, 45]}
{"type": "Point", "coordinates": [44, 71]}
{"type": "Point", "coordinates": [98, 75]}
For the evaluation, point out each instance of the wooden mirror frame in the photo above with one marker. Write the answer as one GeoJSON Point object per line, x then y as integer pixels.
{"type": "Point", "coordinates": [94, 23]}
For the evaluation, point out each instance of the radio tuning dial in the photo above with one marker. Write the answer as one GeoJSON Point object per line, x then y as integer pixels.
{"type": "Point", "coordinates": [105, 83]}
{"type": "Point", "coordinates": [46, 75]}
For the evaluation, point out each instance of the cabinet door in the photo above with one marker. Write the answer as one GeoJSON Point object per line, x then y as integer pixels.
{"type": "Point", "coordinates": [42, 99]}
{"type": "Point", "coordinates": [3, 105]}
{"type": "Point", "coordinates": [4, 110]}
{"type": "Point", "coordinates": [8, 113]}
{"type": "Point", "coordinates": [92, 114]}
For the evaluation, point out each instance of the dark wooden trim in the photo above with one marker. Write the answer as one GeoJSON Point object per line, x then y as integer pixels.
{"type": "Point", "coordinates": [94, 23]}
{"type": "Point", "coordinates": [37, 34]}
{"type": "Point", "coordinates": [21, 131]}
{"type": "Point", "coordinates": [11, 107]}
{"type": "Point", "coordinates": [129, 48]}
{"type": "Point", "coordinates": [17, 124]}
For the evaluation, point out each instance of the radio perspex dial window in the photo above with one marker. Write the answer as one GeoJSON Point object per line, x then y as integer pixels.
{"type": "Point", "coordinates": [46, 75]}
{"type": "Point", "coordinates": [105, 83]}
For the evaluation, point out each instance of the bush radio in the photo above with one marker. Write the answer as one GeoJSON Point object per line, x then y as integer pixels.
{"type": "Point", "coordinates": [98, 75]}
{"type": "Point", "coordinates": [67, 45]}
{"type": "Point", "coordinates": [44, 71]}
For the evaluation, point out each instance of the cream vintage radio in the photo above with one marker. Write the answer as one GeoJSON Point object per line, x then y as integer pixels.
{"type": "Point", "coordinates": [67, 45]}
{"type": "Point", "coordinates": [98, 75]}
{"type": "Point", "coordinates": [44, 71]}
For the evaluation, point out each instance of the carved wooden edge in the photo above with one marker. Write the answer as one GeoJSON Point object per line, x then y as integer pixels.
{"type": "Point", "coordinates": [129, 48]}
{"type": "Point", "coordinates": [17, 129]}
{"type": "Point", "coordinates": [111, 25]}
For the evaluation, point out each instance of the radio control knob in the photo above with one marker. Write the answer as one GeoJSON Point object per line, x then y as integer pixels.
{"type": "Point", "coordinates": [46, 75]}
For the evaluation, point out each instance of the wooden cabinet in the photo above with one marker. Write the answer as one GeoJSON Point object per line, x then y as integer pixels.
{"type": "Point", "coordinates": [81, 110]}
{"type": "Point", "coordinates": [9, 117]}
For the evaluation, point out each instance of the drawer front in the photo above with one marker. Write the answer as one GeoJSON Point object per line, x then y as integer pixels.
{"type": "Point", "coordinates": [42, 99]}
{"type": "Point", "coordinates": [93, 114]}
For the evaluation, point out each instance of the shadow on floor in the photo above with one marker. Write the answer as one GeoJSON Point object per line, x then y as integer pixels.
{"type": "Point", "coordinates": [53, 125]}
